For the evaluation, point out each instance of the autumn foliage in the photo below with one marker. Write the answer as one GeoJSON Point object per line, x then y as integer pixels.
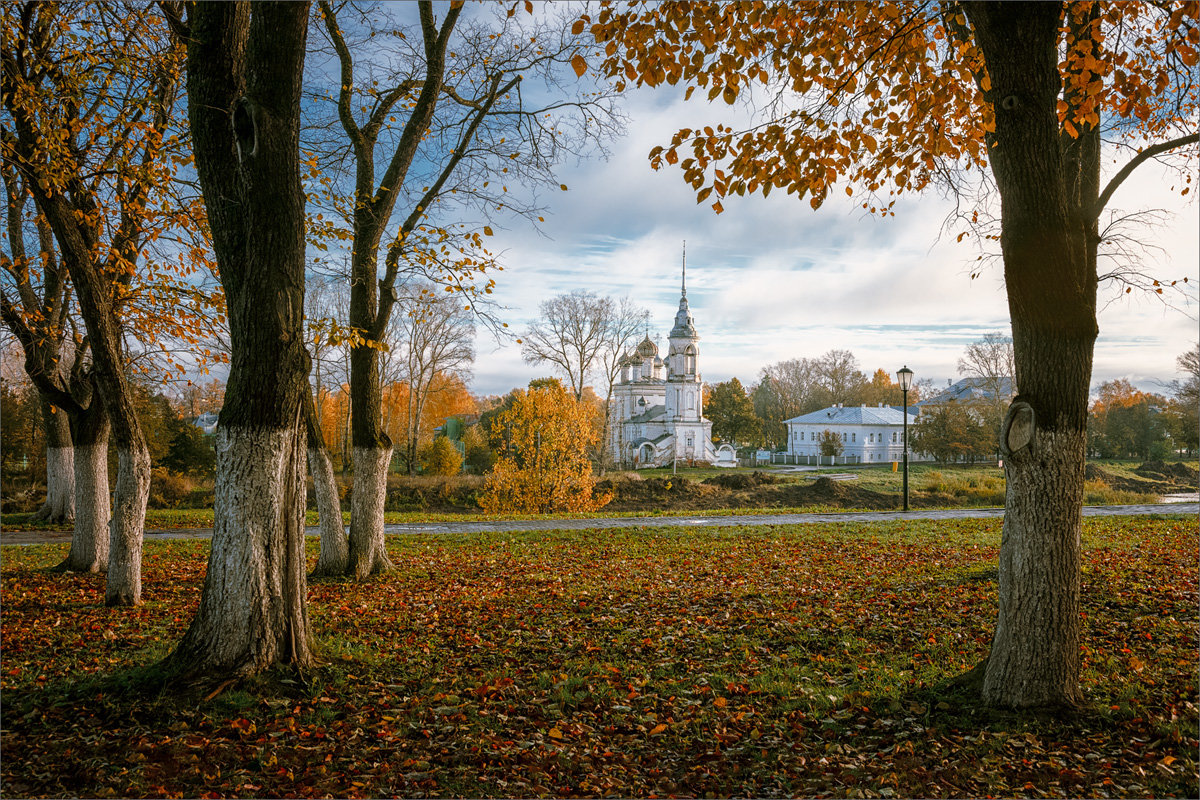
{"type": "Point", "coordinates": [543, 439]}
{"type": "Point", "coordinates": [896, 96]}
{"type": "Point", "coordinates": [617, 663]}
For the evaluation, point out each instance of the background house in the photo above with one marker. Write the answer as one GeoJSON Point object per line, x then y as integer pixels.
{"type": "Point", "coordinates": [868, 435]}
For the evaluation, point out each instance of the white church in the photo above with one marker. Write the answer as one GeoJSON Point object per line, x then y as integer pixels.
{"type": "Point", "coordinates": [658, 415]}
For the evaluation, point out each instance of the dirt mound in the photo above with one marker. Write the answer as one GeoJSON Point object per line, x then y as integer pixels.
{"type": "Point", "coordinates": [1093, 472]}
{"type": "Point", "coordinates": [824, 492]}
{"type": "Point", "coordinates": [674, 492]}
{"type": "Point", "coordinates": [1174, 472]}
{"type": "Point", "coordinates": [1156, 478]}
{"type": "Point", "coordinates": [740, 481]}
{"type": "Point", "coordinates": [737, 490]}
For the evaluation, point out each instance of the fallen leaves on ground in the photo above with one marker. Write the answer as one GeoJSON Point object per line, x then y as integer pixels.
{"type": "Point", "coordinates": [743, 661]}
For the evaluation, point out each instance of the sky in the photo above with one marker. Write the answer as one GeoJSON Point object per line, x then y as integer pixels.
{"type": "Point", "coordinates": [771, 279]}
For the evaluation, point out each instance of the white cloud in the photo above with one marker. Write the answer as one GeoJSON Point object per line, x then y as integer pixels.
{"type": "Point", "coordinates": [770, 279]}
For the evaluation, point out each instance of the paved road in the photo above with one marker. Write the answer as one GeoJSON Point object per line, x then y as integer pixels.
{"type": "Point", "coordinates": [1193, 509]}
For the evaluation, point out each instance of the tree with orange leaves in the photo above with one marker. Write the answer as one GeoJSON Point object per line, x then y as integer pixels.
{"type": "Point", "coordinates": [1127, 423]}
{"type": "Point", "coordinates": [88, 97]}
{"type": "Point", "coordinates": [901, 97]}
{"type": "Point", "coordinates": [544, 440]}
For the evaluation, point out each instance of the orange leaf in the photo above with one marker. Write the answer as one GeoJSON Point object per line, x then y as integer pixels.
{"type": "Point", "coordinates": [657, 729]}
{"type": "Point", "coordinates": [579, 64]}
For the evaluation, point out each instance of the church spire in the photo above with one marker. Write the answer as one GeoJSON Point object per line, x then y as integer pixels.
{"type": "Point", "coordinates": [684, 327]}
{"type": "Point", "coordinates": [683, 284]}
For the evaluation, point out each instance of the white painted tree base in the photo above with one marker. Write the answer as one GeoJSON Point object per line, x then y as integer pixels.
{"type": "Point", "coordinates": [60, 486]}
{"type": "Point", "coordinates": [1034, 660]}
{"type": "Point", "coordinates": [368, 556]}
{"type": "Point", "coordinates": [253, 610]}
{"type": "Point", "coordinates": [335, 549]}
{"type": "Point", "coordinates": [90, 540]}
{"type": "Point", "coordinates": [128, 526]}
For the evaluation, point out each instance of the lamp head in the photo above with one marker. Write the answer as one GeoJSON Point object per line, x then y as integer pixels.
{"type": "Point", "coordinates": [905, 376]}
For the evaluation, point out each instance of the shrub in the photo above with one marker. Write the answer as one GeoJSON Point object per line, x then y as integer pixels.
{"type": "Point", "coordinates": [168, 489]}
{"type": "Point", "coordinates": [441, 458]}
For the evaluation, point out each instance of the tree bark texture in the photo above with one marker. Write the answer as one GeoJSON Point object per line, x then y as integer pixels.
{"type": "Point", "coordinates": [60, 466]}
{"type": "Point", "coordinates": [90, 539]}
{"type": "Point", "coordinates": [124, 585]}
{"type": "Point", "coordinates": [253, 610]}
{"type": "Point", "coordinates": [245, 63]}
{"type": "Point", "coordinates": [368, 555]}
{"type": "Point", "coordinates": [1050, 274]}
{"type": "Point", "coordinates": [335, 550]}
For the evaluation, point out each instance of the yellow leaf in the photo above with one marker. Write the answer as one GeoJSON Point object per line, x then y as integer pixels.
{"type": "Point", "coordinates": [555, 733]}
{"type": "Point", "coordinates": [720, 702]}
{"type": "Point", "coordinates": [487, 230]}
{"type": "Point", "coordinates": [579, 64]}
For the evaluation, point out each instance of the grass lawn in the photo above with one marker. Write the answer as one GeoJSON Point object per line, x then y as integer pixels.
{"type": "Point", "coordinates": [736, 661]}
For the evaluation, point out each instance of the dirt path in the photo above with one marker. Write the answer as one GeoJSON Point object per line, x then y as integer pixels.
{"type": "Point", "coordinates": [700, 521]}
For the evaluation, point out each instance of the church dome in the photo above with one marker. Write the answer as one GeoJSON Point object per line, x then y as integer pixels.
{"type": "Point", "coordinates": [647, 348]}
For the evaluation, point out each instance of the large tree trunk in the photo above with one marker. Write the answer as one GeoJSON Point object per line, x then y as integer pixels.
{"type": "Point", "coordinates": [90, 541]}
{"type": "Point", "coordinates": [60, 466]}
{"type": "Point", "coordinates": [1047, 239]}
{"type": "Point", "coordinates": [245, 62]}
{"type": "Point", "coordinates": [335, 552]}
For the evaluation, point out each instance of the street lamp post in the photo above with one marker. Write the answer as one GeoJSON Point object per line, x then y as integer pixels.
{"type": "Point", "coordinates": [905, 375]}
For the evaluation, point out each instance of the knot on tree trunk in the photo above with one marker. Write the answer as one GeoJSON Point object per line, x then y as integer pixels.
{"type": "Point", "coordinates": [245, 128]}
{"type": "Point", "coordinates": [1020, 425]}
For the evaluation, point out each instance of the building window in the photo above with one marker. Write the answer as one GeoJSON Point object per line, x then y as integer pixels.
{"type": "Point", "coordinates": [893, 437]}
{"type": "Point", "coordinates": [853, 436]}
